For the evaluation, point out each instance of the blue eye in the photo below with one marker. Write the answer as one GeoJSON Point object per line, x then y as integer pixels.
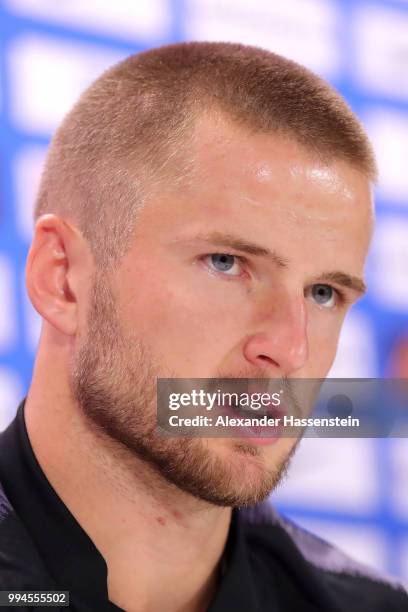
{"type": "Point", "coordinates": [324, 295]}
{"type": "Point", "coordinates": [224, 263]}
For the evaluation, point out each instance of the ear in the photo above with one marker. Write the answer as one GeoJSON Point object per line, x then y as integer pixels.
{"type": "Point", "coordinates": [55, 264]}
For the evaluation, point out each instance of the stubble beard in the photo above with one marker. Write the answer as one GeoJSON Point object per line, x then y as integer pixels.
{"type": "Point", "coordinates": [113, 382]}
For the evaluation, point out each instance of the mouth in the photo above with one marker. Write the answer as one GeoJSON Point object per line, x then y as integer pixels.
{"type": "Point", "coordinates": [261, 426]}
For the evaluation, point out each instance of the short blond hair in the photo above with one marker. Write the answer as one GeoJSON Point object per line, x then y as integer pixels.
{"type": "Point", "coordinates": [126, 129]}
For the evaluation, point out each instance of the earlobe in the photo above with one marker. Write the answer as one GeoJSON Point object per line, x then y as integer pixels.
{"type": "Point", "coordinates": [47, 274]}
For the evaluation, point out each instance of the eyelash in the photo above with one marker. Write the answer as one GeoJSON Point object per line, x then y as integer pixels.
{"type": "Point", "coordinates": [242, 260]}
{"type": "Point", "coordinates": [342, 298]}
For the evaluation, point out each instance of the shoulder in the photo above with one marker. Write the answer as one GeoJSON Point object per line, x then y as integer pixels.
{"type": "Point", "coordinates": [327, 573]}
{"type": "Point", "coordinates": [21, 567]}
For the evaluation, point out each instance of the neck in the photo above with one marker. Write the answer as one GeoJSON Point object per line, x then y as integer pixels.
{"type": "Point", "coordinates": [171, 541]}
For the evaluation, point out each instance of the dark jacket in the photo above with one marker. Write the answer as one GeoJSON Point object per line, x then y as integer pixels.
{"type": "Point", "coordinates": [282, 557]}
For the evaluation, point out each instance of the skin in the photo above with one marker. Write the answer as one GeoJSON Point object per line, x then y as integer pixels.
{"type": "Point", "coordinates": [167, 312]}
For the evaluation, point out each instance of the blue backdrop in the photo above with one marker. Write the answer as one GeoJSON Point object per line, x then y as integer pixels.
{"type": "Point", "coordinates": [353, 492]}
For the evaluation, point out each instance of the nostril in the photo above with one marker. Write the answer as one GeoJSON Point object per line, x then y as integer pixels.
{"type": "Point", "coordinates": [267, 360]}
{"type": "Point", "coordinates": [264, 357]}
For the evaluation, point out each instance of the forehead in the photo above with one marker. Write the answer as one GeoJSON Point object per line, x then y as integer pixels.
{"type": "Point", "coordinates": [224, 154]}
{"type": "Point", "coordinates": [264, 185]}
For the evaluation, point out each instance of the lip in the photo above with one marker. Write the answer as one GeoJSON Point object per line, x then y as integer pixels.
{"type": "Point", "coordinates": [261, 441]}
{"type": "Point", "coordinates": [253, 434]}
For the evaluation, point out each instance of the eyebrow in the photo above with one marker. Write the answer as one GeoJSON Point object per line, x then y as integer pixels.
{"type": "Point", "coordinates": [346, 280]}
{"type": "Point", "coordinates": [239, 244]}
{"type": "Point", "coordinates": [235, 242]}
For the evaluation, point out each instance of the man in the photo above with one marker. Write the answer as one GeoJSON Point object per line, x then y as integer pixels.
{"type": "Point", "coordinates": [205, 211]}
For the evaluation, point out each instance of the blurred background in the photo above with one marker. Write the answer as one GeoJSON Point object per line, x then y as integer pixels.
{"type": "Point", "coordinates": [353, 492]}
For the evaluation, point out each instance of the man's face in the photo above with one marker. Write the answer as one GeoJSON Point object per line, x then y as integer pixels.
{"type": "Point", "coordinates": [246, 269]}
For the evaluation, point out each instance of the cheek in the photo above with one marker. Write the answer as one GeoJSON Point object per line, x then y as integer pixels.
{"type": "Point", "coordinates": [323, 335]}
{"type": "Point", "coordinates": [182, 326]}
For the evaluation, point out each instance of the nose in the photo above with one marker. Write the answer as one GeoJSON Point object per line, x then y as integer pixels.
{"type": "Point", "coordinates": [280, 341]}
